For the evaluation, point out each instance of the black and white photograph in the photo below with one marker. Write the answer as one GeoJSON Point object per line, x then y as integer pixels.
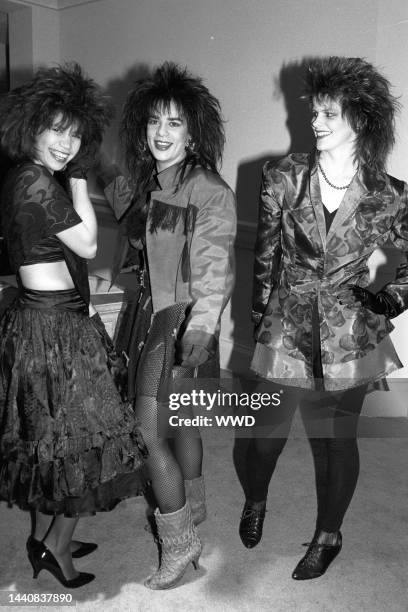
{"type": "Point", "coordinates": [204, 305]}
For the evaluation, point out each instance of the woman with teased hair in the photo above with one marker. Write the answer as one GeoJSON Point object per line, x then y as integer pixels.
{"type": "Point", "coordinates": [69, 445]}
{"type": "Point", "coordinates": [321, 335]}
{"type": "Point", "coordinates": [178, 223]}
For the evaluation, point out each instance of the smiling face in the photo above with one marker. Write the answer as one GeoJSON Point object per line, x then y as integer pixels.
{"type": "Point", "coordinates": [332, 130]}
{"type": "Point", "coordinates": [167, 136]}
{"type": "Point", "coordinates": [57, 145]}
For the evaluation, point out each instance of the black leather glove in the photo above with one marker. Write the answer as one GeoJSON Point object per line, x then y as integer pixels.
{"type": "Point", "coordinates": [116, 363]}
{"type": "Point", "coordinates": [379, 303]}
{"type": "Point", "coordinates": [192, 355]}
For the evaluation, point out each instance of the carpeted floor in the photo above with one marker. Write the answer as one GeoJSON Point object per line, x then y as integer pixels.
{"type": "Point", "coordinates": [370, 574]}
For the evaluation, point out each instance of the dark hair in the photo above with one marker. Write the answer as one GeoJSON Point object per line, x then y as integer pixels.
{"type": "Point", "coordinates": [201, 110]}
{"type": "Point", "coordinates": [366, 101]}
{"type": "Point", "coordinates": [31, 108]}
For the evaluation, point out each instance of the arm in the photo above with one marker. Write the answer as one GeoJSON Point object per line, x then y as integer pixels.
{"type": "Point", "coordinates": [81, 238]}
{"type": "Point", "coordinates": [268, 244]}
{"type": "Point", "coordinates": [392, 299]}
{"type": "Point", "coordinates": [212, 268]}
{"type": "Point", "coordinates": [398, 288]}
{"type": "Point", "coordinates": [38, 207]}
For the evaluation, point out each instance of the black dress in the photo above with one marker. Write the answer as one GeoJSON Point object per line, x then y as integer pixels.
{"type": "Point", "coordinates": [68, 443]}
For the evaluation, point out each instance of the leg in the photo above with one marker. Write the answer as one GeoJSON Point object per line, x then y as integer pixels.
{"type": "Point", "coordinates": [179, 541]}
{"type": "Point", "coordinates": [188, 450]}
{"type": "Point", "coordinates": [336, 462]}
{"type": "Point", "coordinates": [269, 438]}
{"type": "Point", "coordinates": [177, 535]}
{"type": "Point", "coordinates": [343, 459]}
{"type": "Point", "coordinates": [54, 555]}
{"type": "Point", "coordinates": [321, 465]}
{"type": "Point", "coordinates": [187, 443]}
{"type": "Point", "coordinates": [164, 470]}
{"type": "Point", "coordinates": [58, 541]}
{"type": "Point", "coordinates": [336, 458]}
{"type": "Point", "coordinates": [41, 523]}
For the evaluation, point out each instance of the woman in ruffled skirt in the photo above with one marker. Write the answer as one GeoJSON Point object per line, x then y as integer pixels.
{"type": "Point", "coordinates": [69, 445]}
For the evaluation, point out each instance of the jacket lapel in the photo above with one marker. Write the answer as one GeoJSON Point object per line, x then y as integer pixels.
{"type": "Point", "coordinates": [316, 200]}
{"type": "Point", "coordinates": [348, 205]}
{"type": "Point", "coordinates": [353, 196]}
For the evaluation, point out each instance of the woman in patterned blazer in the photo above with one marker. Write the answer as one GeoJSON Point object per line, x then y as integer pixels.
{"type": "Point", "coordinates": [319, 329]}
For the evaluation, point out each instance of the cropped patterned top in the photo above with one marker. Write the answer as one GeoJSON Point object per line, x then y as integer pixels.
{"type": "Point", "coordinates": [35, 207]}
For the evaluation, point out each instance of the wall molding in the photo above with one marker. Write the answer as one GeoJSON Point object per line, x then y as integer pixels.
{"type": "Point", "coordinates": [56, 5]}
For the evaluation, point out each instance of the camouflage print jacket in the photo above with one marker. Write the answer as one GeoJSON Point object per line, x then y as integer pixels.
{"type": "Point", "coordinates": [298, 266]}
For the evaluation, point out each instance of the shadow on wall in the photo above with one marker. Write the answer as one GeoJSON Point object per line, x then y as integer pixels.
{"type": "Point", "coordinates": [288, 87]}
{"type": "Point", "coordinates": [117, 91]}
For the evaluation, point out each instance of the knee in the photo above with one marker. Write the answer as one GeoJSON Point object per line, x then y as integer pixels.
{"type": "Point", "coordinates": [267, 448]}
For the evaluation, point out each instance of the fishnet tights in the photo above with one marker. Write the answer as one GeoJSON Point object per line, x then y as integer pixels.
{"type": "Point", "coordinates": [170, 462]}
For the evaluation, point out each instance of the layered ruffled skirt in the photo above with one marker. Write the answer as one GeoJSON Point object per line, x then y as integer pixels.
{"type": "Point", "coordinates": [68, 444]}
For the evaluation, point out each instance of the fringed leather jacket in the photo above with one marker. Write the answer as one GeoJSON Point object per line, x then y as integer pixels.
{"type": "Point", "coordinates": [188, 230]}
{"type": "Point", "coordinates": [298, 266]}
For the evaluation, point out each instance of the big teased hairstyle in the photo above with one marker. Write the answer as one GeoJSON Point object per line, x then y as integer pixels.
{"type": "Point", "coordinates": [201, 110]}
{"type": "Point", "coordinates": [366, 101]}
{"type": "Point", "coordinates": [31, 108]}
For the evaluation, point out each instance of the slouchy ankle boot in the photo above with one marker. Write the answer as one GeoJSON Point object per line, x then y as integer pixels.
{"type": "Point", "coordinates": [180, 545]}
{"type": "Point", "coordinates": [195, 494]}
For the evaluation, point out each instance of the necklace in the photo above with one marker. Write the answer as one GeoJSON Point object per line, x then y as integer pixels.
{"type": "Point", "coordinates": [331, 184]}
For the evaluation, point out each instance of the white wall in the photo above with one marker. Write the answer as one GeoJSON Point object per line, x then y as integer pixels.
{"type": "Point", "coordinates": [239, 47]}
{"type": "Point", "coordinates": [46, 36]}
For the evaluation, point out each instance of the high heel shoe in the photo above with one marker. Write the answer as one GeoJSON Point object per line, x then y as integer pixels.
{"type": "Point", "coordinates": [317, 559]}
{"type": "Point", "coordinates": [85, 548]}
{"type": "Point", "coordinates": [251, 524]}
{"type": "Point", "coordinates": [180, 546]}
{"type": "Point", "coordinates": [41, 558]}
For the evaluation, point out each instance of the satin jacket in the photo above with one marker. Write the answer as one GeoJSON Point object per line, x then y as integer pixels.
{"type": "Point", "coordinates": [189, 237]}
{"type": "Point", "coordinates": [297, 265]}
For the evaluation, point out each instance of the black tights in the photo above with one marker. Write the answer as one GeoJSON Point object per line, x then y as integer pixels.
{"type": "Point", "coordinates": [169, 462]}
{"type": "Point", "coordinates": [331, 426]}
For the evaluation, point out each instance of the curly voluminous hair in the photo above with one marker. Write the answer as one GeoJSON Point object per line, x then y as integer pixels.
{"type": "Point", "coordinates": [201, 110]}
{"type": "Point", "coordinates": [28, 110]}
{"type": "Point", "coordinates": [366, 101]}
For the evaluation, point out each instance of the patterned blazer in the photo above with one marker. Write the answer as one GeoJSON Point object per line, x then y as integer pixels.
{"type": "Point", "coordinates": [298, 266]}
{"type": "Point", "coordinates": [189, 236]}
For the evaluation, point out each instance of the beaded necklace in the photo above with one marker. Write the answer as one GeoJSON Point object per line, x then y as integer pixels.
{"type": "Point", "coordinates": [330, 183]}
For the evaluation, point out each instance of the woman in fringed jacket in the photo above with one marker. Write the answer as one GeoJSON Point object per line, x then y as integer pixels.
{"type": "Point", "coordinates": [318, 326]}
{"type": "Point", "coordinates": [177, 223]}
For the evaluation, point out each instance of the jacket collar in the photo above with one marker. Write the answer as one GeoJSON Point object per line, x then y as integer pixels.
{"type": "Point", "coordinates": [357, 190]}
{"type": "Point", "coordinates": [166, 178]}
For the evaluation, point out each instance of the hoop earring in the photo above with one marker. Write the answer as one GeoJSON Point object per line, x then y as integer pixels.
{"type": "Point", "coordinates": [190, 146]}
